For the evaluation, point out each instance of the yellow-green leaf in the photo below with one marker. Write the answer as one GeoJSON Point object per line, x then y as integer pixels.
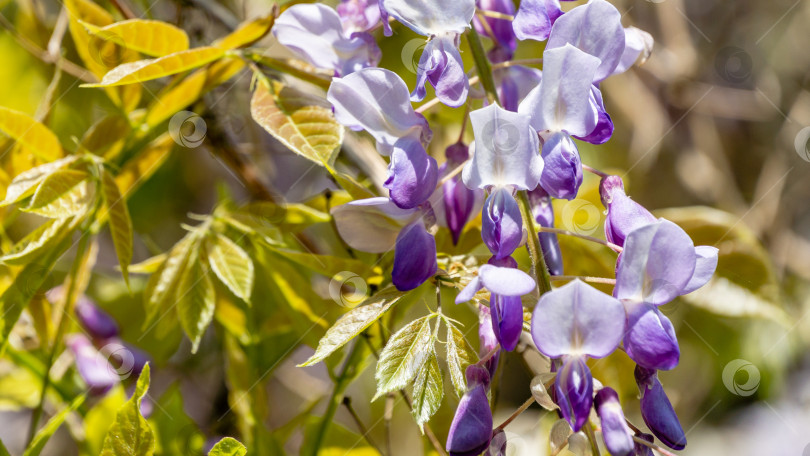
{"type": "Point", "coordinates": [149, 265]}
{"type": "Point", "coordinates": [43, 435]}
{"type": "Point", "coordinates": [26, 182]}
{"type": "Point", "coordinates": [302, 123]}
{"type": "Point", "coordinates": [106, 137]}
{"type": "Point", "coordinates": [120, 223]}
{"type": "Point", "coordinates": [403, 356]}
{"type": "Point", "coordinates": [196, 300]}
{"type": "Point", "coordinates": [354, 322]}
{"type": "Point", "coordinates": [130, 433]}
{"type": "Point", "coordinates": [162, 284]}
{"type": "Point", "coordinates": [232, 265]}
{"type": "Point", "coordinates": [63, 193]}
{"type": "Point", "coordinates": [228, 447]}
{"type": "Point", "coordinates": [459, 356]}
{"type": "Point", "coordinates": [428, 390]}
{"type": "Point", "coordinates": [30, 134]}
{"type": "Point", "coordinates": [140, 168]}
{"type": "Point", "coordinates": [327, 265]}
{"type": "Point", "coordinates": [146, 70]}
{"type": "Point", "coordinates": [247, 33]}
{"type": "Point", "coordinates": [37, 241]}
{"type": "Point", "coordinates": [154, 38]}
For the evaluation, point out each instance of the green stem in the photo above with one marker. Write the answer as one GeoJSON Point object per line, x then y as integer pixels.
{"type": "Point", "coordinates": [69, 291]}
{"type": "Point", "coordinates": [592, 439]}
{"type": "Point", "coordinates": [533, 242]}
{"type": "Point", "coordinates": [482, 64]}
{"type": "Point", "coordinates": [289, 68]}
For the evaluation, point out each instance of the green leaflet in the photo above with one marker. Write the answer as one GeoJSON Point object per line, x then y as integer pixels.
{"type": "Point", "coordinates": [231, 264]}
{"type": "Point", "coordinates": [459, 356]}
{"type": "Point", "coordinates": [43, 435]}
{"type": "Point", "coordinates": [120, 223]}
{"type": "Point", "coordinates": [403, 356]}
{"type": "Point", "coordinates": [228, 447]}
{"type": "Point", "coordinates": [428, 390]}
{"type": "Point", "coordinates": [130, 433]}
{"type": "Point", "coordinates": [196, 300]}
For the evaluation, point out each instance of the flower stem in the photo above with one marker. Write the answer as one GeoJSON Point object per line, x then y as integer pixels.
{"type": "Point", "coordinates": [592, 439]}
{"type": "Point", "coordinates": [482, 64]}
{"type": "Point", "coordinates": [653, 446]}
{"type": "Point", "coordinates": [517, 413]}
{"type": "Point", "coordinates": [614, 247]}
{"type": "Point", "coordinates": [495, 15]}
{"type": "Point", "coordinates": [533, 243]}
{"type": "Point", "coordinates": [606, 280]}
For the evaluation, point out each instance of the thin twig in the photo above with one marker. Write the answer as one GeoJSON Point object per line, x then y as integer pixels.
{"type": "Point", "coordinates": [517, 413]}
{"type": "Point", "coordinates": [495, 15]}
{"type": "Point", "coordinates": [605, 280]}
{"type": "Point", "coordinates": [653, 446]}
{"type": "Point", "coordinates": [347, 402]}
{"type": "Point", "coordinates": [594, 171]}
{"type": "Point", "coordinates": [614, 247]}
{"type": "Point", "coordinates": [490, 354]}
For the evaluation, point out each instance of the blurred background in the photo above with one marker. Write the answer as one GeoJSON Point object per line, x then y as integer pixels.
{"type": "Point", "coordinates": [712, 132]}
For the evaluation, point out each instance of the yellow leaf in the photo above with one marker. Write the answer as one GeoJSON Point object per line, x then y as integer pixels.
{"type": "Point", "coordinates": [196, 300]}
{"type": "Point", "coordinates": [145, 164]}
{"type": "Point", "coordinates": [247, 33]}
{"type": "Point", "coordinates": [63, 193]}
{"type": "Point", "coordinates": [30, 134]}
{"type": "Point", "coordinates": [106, 137]}
{"type": "Point", "coordinates": [120, 223]}
{"type": "Point", "coordinates": [146, 70]}
{"type": "Point", "coordinates": [25, 183]}
{"type": "Point", "coordinates": [232, 265]}
{"type": "Point", "coordinates": [162, 284]}
{"type": "Point", "coordinates": [37, 241]}
{"type": "Point", "coordinates": [304, 124]}
{"type": "Point", "coordinates": [154, 38]}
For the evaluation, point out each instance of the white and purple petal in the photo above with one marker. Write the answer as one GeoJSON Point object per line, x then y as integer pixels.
{"type": "Point", "coordinates": [604, 124]}
{"type": "Point", "coordinates": [441, 65]}
{"type": "Point", "coordinates": [412, 174]}
{"type": "Point", "coordinates": [501, 223]}
{"type": "Point", "coordinates": [705, 265]}
{"type": "Point", "coordinates": [371, 225]}
{"type": "Point", "coordinates": [514, 83]}
{"type": "Point", "coordinates": [562, 168]}
{"type": "Point", "coordinates": [574, 389]}
{"type": "Point", "coordinates": [505, 281]}
{"type": "Point", "coordinates": [615, 432]}
{"type": "Point", "coordinates": [535, 19]}
{"type": "Point", "coordinates": [359, 15]}
{"type": "Point", "coordinates": [650, 339]}
{"type": "Point", "coordinates": [431, 17]}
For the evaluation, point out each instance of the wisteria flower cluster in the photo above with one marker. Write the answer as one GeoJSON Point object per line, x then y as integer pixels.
{"type": "Point", "coordinates": [524, 153]}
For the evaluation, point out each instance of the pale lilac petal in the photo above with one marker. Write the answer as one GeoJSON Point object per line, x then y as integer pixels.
{"type": "Point", "coordinates": [657, 411]}
{"type": "Point", "coordinates": [371, 225]}
{"type": "Point", "coordinates": [562, 100]}
{"type": "Point", "coordinates": [507, 320]}
{"type": "Point", "coordinates": [615, 432]}
{"type": "Point", "coordinates": [412, 174]}
{"type": "Point", "coordinates": [93, 367]}
{"type": "Point", "coordinates": [377, 100]}
{"type": "Point", "coordinates": [470, 290]}
{"type": "Point", "coordinates": [574, 389]}
{"type": "Point", "coordinates": [604, 124]}
{"type": "Point", "coordinates": [441, 64]}
{"type": "Point", "coordinates": [501, 223]}
{"type": "Point", "coordinates": [637, 43]}
{"type": "Point", "coordinates": [359, 15]}
{"type": "Point", "coordinates": [657, 262]}
{"type": "Point", "coordinates": [471, 428]}
{"type": "Point", "coordinates": [595, 28]}
{"type": "Point", "coordinates": [577, 319]}
{"type": "Point", "coordinates": [315, 33]}
{"type": "Point", "coordinates": [535, 19]}
{"type": "Point", "coordinates": [705, 265]}
{"type": "Point", "coordinates": [650, 340]}
{"type": "Point", "coordinates": [414, 257]}
{"type": "Point", "coordinates": [562, 168]}
{"type": "Point", "coordinates": [504, 37]}
{"type": "Point", "coordinates": [624, 214]}
{"type": "Point", "coordinates": [505, 281]}
{"type": "Point", "coordinates": [431, 17]}
{"type": "Point", "coordinates": [514, 83]}
{"type": "Point", "coordinates": [506, 151]}
{"type": "Point", "coordinates": [487, 339]}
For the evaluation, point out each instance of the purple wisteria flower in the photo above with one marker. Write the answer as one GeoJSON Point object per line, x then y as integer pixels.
{"type": "Point", "coordinates": [543, 213]}
{"type": "Point", "coordinates": [487, 339]}
{"type": "Point", "coordinates": [359, 15]}
{"type": "Point", "coordinates": [440, 63]}
{"type": "Point", "coordinates": [657, 411]}
{"type": "Point", "coordinates": [471, 429]}
{"type": "Point", "coordinates": [506, 284]}
{"type": "Point", "coordinates": [535, 18]}
{"type": "Point", "coordinates": [315, 33]}
{"type": "Point", "coordinates": [376, 100]}
{"type": "Point", "coordinates": [96, 371]}
{"type": "Point", "coordinates": [459, 202]}
{"type": "Point", "coordinates": [377, 225]}
{"type": "Point", "coordinates": [98, 323]}
{"type": "Point", "coordinates": [560, 107]}
{"type": "Point", "coordinates": [499, 30]}
{"type": "Point", "coordinates": [514, 83]}
{"type": "Point", "coordinates": [615, 432]}
{"type": "Point", "coordinates": [574, 322]}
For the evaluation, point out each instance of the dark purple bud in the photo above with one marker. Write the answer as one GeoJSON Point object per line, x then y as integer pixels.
{"type": "Point", "coordinates": [414, 257]}
{"type": "Point", "coordinates": [412, 174]}
{"type": "Point", "coordinates": [544, 215]}
{"type": "Point", "coordinates": [501, 225]}
{"type": "Point", "coordinates": [502, 34]}
{"type": "Point", "coordinates": [459, 201]}
{"type": "Point", "coordinates": [624, 214]}
{"type": "Point", "coordinates": [93, 367]}
{"type": "Point", "coordinates": [98, 323]}
{"type": "Point", "coordinates": [650, 339]}
{"type": "Point", "coordinates": [487, 339]}
{"type": "Point", "coordinates": [457, 153]}
{"type": "Point", "coordinates": [507, 320]}
{"type": "Point", "coordinates": [574, 391]}
{"type": "Point", "coordinates": [657, 411]}
{"type": "Point", "coordinates": [471, 428]}
{"type": "Point", "coordinates": [562, 170]}
{"type": "Point", "coordinates": [617, 435]}
{"type": "Point", "coordinates": [639, 449]}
